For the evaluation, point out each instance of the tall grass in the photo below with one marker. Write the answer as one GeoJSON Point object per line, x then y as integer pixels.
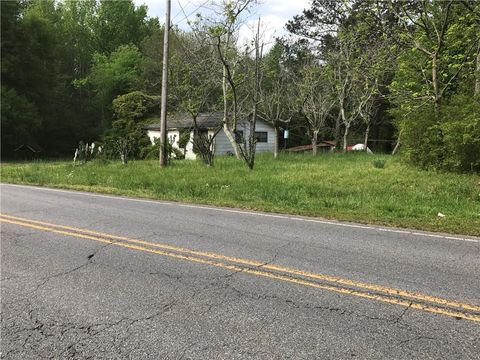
{"type": "Point", "coordinates": [335, 186]}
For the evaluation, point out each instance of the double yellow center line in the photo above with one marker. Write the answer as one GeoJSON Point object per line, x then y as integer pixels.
{"type": "Point", "coordinates": [336, 284]}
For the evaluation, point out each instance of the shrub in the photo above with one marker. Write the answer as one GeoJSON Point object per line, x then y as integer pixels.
{"type": "Point", "coordinates": [460, 130]}
{"type": "Point", "coordinates": [449, 142]}
{"type": "Point", "coordinates": [378, 163]}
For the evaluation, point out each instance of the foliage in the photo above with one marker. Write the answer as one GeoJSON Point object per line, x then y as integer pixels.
{"type": "Point", "coordinates": [450, 143]}
{"type": "Point", "coordinates": [46, 46]}
{"type": "Point", "coordinates": [113, 75]}
{"type": "Point", "coordinates": [127, 138]}
{"type": "Point", "coordinates": [413, 65]}
{"type": "Point", "coordinates": [136, 105]}
{"type": "Point", "coordinates": [20, 120]}
{"type": "Point", "coordinates": [119, 23]}
{"type": "Point", "coordinates": [379, 163]}
{"type": "Point", "coordinates": [150, 152]}
{"type": "Point", "coordinates": [404, 58]}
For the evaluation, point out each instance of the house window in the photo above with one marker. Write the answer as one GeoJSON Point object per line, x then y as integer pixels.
{"type": "Point", "coordinates": [261, 136]}
{"type": "Point", "coordinates": [239, 136]}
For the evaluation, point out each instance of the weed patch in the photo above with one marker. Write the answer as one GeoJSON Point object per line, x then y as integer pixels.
{"type": "Point", "coordinates": [336, 186]}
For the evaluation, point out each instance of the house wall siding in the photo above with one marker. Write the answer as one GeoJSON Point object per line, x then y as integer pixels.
{"type": "Point", "coordinates": [222, 144]}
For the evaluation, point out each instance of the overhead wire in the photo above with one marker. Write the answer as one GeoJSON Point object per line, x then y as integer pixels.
{"type": "Point", "coordinates": [186, 16]}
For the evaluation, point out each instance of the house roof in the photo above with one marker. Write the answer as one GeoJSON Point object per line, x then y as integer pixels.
{"type": "Point", "coordinates": [177, 121]}
{"type": "Point", "coordinates": [31, 146]}
{"type": "Point", "coordinates": [184, 121]}
{"type": "Point", "coordinates": [320, 144]}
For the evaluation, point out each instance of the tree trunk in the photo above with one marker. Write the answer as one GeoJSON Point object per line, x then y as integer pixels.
{"type": "Point", "coordinates": [436, 88]}
{"type": "Point", "coordinates": [226, 127]}
{"type": "Point", "coordinates": [397, 145]}
{"type": "Point", "coordinates": [338, 127]}
{"type": "Point", "coordinates": [124, 158]}
{"type": "Point", "coordinates": [314, 143]}
{"type": "Point", "coordinates": [477, 77]}
{"type": "Point", "coordinates": [231, 137]}
{"type": "Point", "coordinates": [275, 145]}
{"type": "Point", "coordinates": [345, 137]}
{"type": "Point", "coordinates": [367, 131]}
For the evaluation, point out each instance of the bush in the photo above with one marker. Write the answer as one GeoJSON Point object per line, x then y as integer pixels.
{"type": "Point", "coordinates": [460, 131]}
{"type": "Point", "coordinates": [378, 163]}
{"type": "Point", "coordinates": [152, 152]}
{"type": "Point", "coordinates": [450, 142]}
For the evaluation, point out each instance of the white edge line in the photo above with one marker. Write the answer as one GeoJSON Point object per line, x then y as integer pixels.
{"type": "Point", "coordinates": [251, 213]}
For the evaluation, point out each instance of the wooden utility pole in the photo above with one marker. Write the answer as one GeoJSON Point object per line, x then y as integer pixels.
{"type": "Point", "coordinates": [163, 112]}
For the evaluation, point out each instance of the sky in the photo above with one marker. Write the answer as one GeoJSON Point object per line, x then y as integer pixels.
{"type": "Point", "coordinates": [273, 13]}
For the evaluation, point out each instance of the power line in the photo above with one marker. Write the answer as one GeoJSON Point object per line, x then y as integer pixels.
{"type": "Point", "coordinates": [181, 10]}
{"type": "Point", "coordinates": [191, 13]}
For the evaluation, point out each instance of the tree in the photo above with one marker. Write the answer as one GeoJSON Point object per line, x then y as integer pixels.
{"type": "Point", "coordinates": [344, 35]}
{"type": "Point", "coordinates": [277, 96]}
{"type": "Point", "coordinates": [223, 31]}
{"type": "Point", "coordinates": [317, 99]}
{"type": "Point", "coordinates": [127, 137]}
{"type": "Point", "coordinates": [250, 143]}
{"type": "Point", "coordinates": [119, 23]}
{"type": "Point", "coordinates": [30, 75]}
{"type": "Point", "coordinates": [20, 120]}
{"type": "Point", "coordinates": [430, 29]}
{"type": "Point", "coordinates": [195, 89]}
{"type": "Point", "coordinates": [473, 10]}
{"type": "Point", "coordinates": [113, 75]}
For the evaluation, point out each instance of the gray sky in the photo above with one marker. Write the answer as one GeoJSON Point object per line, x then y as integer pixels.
{"type": "Point", "coordinates": [273, 13]}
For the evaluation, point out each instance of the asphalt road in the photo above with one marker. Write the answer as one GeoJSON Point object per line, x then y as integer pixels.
{"type": "Point", "coordinates": [105, 277]}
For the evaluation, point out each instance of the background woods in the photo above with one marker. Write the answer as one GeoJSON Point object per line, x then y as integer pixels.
{"type": "Point", "coordinates": [388, 74]}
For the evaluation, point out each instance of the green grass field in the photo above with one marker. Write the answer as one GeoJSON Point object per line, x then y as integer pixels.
{"type": "Point", "coordinates": [333, 186]}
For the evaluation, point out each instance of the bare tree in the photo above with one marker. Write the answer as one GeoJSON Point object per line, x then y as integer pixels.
{"type": "Point", "coordinates": [224, 31]}
{"type": "Point", "coordinates": [123, 147]}
{"type": "Point", "coordinates": [317, 99]}
{"type": "Point", "coordinates": [249, 146]}
{"type": "Point", "coordinates": [203, 142]}
{"type": "Point", "coordinates": [196, 89]}
{"type": "Point", "coordinates": [276, 107]}
{"type": "Point", "coordinates": [277, 99]}
{"type": "Point", "coordinates": [341, 59]}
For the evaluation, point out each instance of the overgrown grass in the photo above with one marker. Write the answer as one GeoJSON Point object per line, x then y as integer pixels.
{"type": "Point", "coordinates": [334, 186]}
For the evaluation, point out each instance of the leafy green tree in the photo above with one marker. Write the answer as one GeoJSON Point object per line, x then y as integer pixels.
{"type": "Point", "coordinates": [30, 74]}
{"type": "Point", "coordinates": [433, 85]}
{"type": "Point", "coordinates": [119, 23]}
{"type": "Point", "coordinates": [441, 42]}
{"type": "Point", "coordinates": [20, 120]}
{"type": "Point", "coordinates": [78, 22]}
{"type": "Point", "coordinates": [112, 76]}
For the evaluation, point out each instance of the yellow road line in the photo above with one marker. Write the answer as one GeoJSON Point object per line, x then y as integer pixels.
{"type": "Point", "coordinates": [316, 276]}
{"type": "Point", "coordinates": [258, 272]}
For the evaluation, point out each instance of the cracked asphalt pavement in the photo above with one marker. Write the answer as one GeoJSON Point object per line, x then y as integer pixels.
{"type": "Point", "coordinates": [65, 296]}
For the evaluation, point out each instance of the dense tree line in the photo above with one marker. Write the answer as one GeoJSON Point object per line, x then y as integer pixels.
{"type": "Point", "coordinates": [394, 75]}
{"type": "Point", "coordinates": [62, 65]}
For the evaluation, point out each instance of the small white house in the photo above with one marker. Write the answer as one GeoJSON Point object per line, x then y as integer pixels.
{"type": "Point", "coordinates": [180, 123]}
